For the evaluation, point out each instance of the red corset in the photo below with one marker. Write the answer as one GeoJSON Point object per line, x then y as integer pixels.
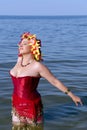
{"type": "Point", "coordinates": [26, 100]}
{"type": "Point", "coordinates": [25, 87]}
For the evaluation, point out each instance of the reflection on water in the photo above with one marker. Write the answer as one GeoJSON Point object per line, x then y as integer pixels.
{"type": "Point", "coordinates": [66, 116]}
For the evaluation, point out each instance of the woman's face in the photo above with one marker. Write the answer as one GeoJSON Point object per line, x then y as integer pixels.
{"type": "Point", "coordinates": [24, 47]}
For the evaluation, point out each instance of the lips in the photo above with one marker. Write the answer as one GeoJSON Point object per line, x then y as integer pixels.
{"type": "Point", "coordinates": [21, 48]}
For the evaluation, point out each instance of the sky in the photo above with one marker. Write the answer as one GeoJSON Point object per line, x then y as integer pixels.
{"type": "Point", "coordinates": [43, 7]}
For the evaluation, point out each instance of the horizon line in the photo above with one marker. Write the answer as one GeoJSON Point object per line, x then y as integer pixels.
{"type": "Point", "coordinates": [43, 15]}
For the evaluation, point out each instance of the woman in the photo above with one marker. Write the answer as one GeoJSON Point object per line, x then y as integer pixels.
{"type": "Point", "coordinates": [27, 109]}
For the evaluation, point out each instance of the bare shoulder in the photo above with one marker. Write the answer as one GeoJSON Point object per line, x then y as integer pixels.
{"type": "Point", "coordinates": [43, 69]}
{"type": "Point", "coordinates": [40, 65]}
{"type": "Point", "coordinates": [45, 72]}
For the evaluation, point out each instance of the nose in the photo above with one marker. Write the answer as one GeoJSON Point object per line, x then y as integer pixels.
{"type": "Point", "coordinates": [20, 45]}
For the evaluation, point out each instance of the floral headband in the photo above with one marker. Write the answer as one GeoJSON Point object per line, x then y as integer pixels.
{"type": "Point", "coordinates": [34, 43]}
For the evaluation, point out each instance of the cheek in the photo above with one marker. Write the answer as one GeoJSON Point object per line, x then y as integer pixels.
{"type": "Point", "coordinates": [27, 49]}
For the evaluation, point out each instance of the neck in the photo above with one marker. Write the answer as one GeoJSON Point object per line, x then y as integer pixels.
{"type": "Point", "coordinates": [26, 60]}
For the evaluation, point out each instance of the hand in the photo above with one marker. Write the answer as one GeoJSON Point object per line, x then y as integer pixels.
{"type": "Point", "coordinates": [77, 100]}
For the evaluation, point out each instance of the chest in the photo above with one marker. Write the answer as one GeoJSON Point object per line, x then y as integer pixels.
{"type": "Point", "coordinates": [19, 71]}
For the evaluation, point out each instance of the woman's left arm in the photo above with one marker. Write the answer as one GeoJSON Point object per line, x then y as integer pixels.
{"type": "Point", "coordinates": [46, 73]}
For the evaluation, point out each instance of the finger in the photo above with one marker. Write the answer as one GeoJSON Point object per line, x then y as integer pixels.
{"type": "Point", "coordinates": [79, 102]}
{"type": "Point", "coordinates": [76, 103]}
